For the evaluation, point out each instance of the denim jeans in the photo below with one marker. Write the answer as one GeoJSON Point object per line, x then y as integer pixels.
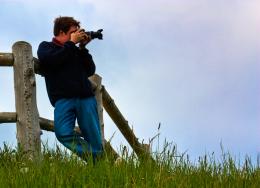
{"type": "Point", "coordinates": [85, 111]}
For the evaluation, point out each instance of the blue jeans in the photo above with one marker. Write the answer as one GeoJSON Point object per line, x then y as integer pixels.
{"type": "Point", "coordinates": [85, 111]}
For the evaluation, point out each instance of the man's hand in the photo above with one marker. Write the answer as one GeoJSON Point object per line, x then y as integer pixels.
{"type": "Point", "coordinates": [79, 36]}
{"type": "Point", "coordinates": [85, 41]}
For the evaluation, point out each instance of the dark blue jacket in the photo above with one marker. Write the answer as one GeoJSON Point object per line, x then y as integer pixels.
{"type": "Point", "coordinates": [66, 69]}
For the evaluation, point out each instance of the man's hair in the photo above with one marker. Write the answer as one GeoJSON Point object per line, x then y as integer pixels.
{"type": "Point", "coordinates": [63, 23]}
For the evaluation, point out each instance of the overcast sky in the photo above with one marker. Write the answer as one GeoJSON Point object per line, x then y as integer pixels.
{"type": "Point", "coordinates": [192, 66]}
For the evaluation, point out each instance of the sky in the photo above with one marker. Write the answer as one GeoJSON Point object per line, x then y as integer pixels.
{"type": "Point", "coordinates": [191, 66]}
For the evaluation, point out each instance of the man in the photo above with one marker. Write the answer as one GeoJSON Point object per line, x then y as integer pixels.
{"type": "Point", "coordinates": [66, 68]}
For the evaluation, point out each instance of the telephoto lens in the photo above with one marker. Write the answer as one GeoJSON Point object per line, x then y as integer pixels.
{"type": "Point", "coordinates": [95, 34]}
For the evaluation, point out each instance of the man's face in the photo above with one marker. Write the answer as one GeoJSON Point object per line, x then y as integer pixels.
{"type": "Point", "coordinates": [64, 37]}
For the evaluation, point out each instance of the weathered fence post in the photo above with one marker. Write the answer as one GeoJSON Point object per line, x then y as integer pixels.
{"type": "Point", "coordinates": [97, 80]}
{"type": "Point", "coordinates": [28, 128]}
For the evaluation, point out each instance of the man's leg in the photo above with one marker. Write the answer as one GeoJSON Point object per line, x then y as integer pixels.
{"type": "Point", "coordinates": [88, 121]}
{"type": "Point", "coordinates": [64, 124]}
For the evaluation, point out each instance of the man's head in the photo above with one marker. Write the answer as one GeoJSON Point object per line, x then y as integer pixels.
{"type": "Point", "coordinates": [63, 27]}
{"type": "Point", "coordinates": [63, 24]}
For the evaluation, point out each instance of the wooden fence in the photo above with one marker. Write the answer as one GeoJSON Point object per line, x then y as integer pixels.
{"type": "Point", "coordinates": [28, 122]}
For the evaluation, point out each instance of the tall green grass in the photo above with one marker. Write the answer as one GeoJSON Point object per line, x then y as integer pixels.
{"type": "Point", "coordinates": [58, 168]}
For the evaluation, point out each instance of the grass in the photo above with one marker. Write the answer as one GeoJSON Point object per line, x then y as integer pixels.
{"type": "Point", "coordinates": [58, 168]}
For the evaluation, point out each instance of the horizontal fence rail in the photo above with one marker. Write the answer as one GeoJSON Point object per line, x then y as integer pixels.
{"type": "Point", "coordinates": [6, 59]}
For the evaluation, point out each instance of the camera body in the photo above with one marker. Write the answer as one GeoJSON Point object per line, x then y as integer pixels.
{"type": "Point", "coordinates": [95, 34]}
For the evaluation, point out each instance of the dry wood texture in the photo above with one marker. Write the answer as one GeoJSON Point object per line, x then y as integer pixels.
{"type": "Point", "coordinates": [7, 117]}
{"type": "Point", "coordinates": [28, 128]}
{"type": "Point", "coordinates": [6, 59]}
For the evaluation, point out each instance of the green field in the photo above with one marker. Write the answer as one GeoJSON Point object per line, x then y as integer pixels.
{"type": "Point", "coordinates": [57, 168]}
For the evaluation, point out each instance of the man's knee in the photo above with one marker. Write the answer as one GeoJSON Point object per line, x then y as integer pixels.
{"type": "Point", "coordinates": [58, 135]}
{"type": "Point", "coordinates": [62, 136]}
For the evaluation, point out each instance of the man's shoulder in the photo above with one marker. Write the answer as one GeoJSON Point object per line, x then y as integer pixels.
{"type": "Point", "coordinates": [45, 43]}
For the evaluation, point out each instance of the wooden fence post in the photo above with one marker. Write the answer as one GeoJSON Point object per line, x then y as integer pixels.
{"type": "Point", "coordinates": [97, 80]}
{"type": "Point", "coordinates": [28, 128]}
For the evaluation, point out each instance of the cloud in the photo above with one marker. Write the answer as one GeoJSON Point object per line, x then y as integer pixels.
{"type": "Point", "coordinates": [196, 76]}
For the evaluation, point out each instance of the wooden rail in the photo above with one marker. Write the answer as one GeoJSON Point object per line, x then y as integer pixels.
{"type": "Point", "coordinates": [26, 117]}
{"type": "Point", "coordinates": [6, 59]}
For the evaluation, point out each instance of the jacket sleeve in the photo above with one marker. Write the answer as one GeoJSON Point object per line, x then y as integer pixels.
{"type": "Point", "coordinates": [52, 57]}
{"type": "Point", "coordinates": [89, 63]}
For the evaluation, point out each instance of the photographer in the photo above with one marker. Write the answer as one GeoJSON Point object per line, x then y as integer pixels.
{"type": "Point", "coordinates": [66, 68]}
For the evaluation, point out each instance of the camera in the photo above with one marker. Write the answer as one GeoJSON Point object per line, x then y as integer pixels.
{"type": "Point", "coordinates": [95, 34]}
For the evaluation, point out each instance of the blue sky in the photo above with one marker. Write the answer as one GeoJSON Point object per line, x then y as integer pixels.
{"type": "Point", "coordinates": [192, 66]}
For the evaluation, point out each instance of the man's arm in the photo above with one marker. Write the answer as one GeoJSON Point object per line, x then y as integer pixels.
{"type": "Point", "coordinates": [88, 62]}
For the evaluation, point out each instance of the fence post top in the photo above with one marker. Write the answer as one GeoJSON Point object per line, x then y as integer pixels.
{"type": "Point", "coordinates": [21, 43]}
